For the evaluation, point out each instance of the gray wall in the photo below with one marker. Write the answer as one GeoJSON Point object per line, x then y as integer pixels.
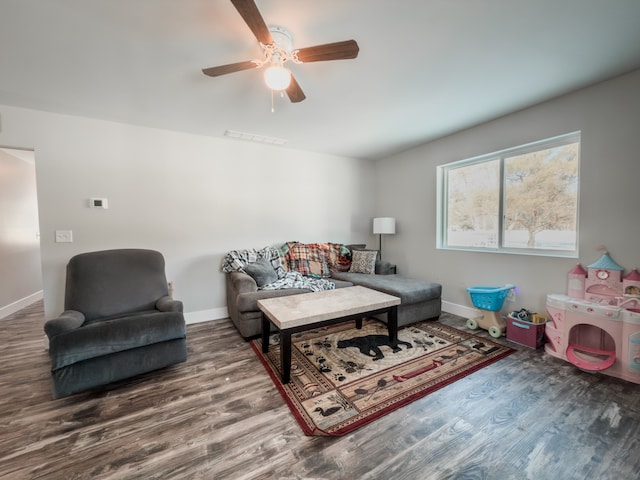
{"type": "Point", "coordinates": [191, 197]}
{"type": "Point", "coordinates": [20, 269]}
{"type": "Point", "coordinates": [608, 114]}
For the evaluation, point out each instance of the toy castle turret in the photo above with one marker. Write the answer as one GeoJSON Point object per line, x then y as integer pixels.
{"type": "Point", "coordinates": [604, 281]}
{"type": "Point", "coordinates": [631, 295]}
{"type": "Point", "coordinates": [631, 284]}
{"type": "Point", "coordinates": [604, 284]}
{"type": "Point", "coordinates": [575, 282]}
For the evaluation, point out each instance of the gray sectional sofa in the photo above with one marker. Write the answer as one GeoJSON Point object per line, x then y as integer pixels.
{"type": "Point", "coordinates": [420, 299]}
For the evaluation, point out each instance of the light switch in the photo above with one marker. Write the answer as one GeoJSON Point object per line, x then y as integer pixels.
{"type": "Point", "coordinates": [64, 236]}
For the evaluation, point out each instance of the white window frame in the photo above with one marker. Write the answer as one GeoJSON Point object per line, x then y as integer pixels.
{"type": "Point", "coordinates": [442, 196]}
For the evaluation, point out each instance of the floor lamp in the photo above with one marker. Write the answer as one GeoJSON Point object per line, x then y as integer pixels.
{"type": "Point", "coordinates": [384, 226]}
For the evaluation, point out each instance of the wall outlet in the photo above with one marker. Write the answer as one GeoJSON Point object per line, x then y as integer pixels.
{"type": "Point", "coordinates": [64, 236]}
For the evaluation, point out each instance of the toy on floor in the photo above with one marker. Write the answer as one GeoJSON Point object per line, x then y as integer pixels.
{"type": "Point", "coordinates": [596, 326]}
{"type": "Point", "coordinates": [489, 300]}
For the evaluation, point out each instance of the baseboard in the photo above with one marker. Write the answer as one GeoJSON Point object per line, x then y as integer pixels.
{"type": "Point", "coordinates": [462, 310]}
{"type": "Point", "coordinates": [206, 315]}
{"type": "Point", "coordinates": [20, 304]}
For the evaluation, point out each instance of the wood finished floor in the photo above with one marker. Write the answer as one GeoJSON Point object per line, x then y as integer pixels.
{"type": "Point", "coordinates": [218, 416]}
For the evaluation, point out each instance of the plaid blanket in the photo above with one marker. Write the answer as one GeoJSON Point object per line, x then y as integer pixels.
{"type": "Point", "coordinates": [315, 259]}
{"type": "Point", "coordinates": [236, 260]}
{"type": "Point", "coordinates": [297, 280]}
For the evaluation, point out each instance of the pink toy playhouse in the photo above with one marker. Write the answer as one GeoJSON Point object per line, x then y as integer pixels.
{"type": "Point", "coordinates": [598, 328]}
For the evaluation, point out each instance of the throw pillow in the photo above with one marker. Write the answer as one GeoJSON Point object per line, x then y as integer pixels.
{"type": "Point", "coordinates": [262, 272]}
{"type": "Point", "coordinates": [272, 255]}
{"type": "Point", "coordinates": [364, 261]}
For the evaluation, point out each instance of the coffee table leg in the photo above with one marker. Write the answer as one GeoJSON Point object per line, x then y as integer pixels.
{"type": "Point", "coordinates": [359, 323]}
{"type": "Point", "coordinates": [392, 326]}
{"type": "Point", "coordinates": [285, 356]}
{"type": "Point", "coordinates": [265, 333]}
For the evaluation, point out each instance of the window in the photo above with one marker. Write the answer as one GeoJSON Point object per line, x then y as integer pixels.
{"type": "Point", "coordinates": [520, 200]}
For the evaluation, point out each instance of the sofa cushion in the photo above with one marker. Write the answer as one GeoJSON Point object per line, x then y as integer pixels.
{"type": "Point", "coordinates": [248, 301]}
{"type": "Point", "coordinates": [409, 290]}
{"type": "Point", "coordinates": [364, 261]}
{"type": "Point", "coordinates": [262, 272]}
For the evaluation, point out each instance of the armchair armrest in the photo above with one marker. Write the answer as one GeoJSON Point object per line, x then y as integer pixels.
{"type": "Point", "coordinates": [168, 304]}
{"type": "Point", "coordinates": [67, 321]}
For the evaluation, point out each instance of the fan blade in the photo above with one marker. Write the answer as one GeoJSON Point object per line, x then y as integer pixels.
{"type": "Point", "coordinates": [328, 51]}
{"type": "Point", "coordinates": [252, 17]}
{"type": "Point", "coordinates": [230, 68]}
{"type": "Point", "coordinates": [294, 91]}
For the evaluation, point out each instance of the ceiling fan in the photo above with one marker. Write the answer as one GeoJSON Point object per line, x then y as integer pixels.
{"type": "Point", "coordinates": [277, 45]}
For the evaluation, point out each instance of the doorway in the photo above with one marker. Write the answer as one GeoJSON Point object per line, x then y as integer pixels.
{"type": "Point", "coordinates": [20, 259]}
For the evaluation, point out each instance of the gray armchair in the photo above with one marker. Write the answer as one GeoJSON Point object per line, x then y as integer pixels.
{"type": "Point", "coordinates": [119, 321]}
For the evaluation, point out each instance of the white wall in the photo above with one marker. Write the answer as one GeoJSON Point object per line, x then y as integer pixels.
{"type": "Point", "coordinates": [608, 114]}
{"type": "Point", "coordinates": [19, 243]}
{"type": "Point", "coordinates": [191, 197]}
{"type": "Point", "coordinates": [194, 198]}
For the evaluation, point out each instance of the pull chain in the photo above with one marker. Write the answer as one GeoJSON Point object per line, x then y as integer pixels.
{"type": "Point", "coordinates": [272, 104]}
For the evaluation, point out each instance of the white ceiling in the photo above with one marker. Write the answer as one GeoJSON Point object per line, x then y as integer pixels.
{"type": "Point", "coordinates": [426, 68]}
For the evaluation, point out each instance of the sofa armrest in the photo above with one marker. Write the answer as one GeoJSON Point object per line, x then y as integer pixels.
{"type": "Point", "coordinates": [241, 282]}
{"type": "Point", "coordinates": [67, 321]}
{"type": "Point", "coordinates": [236, 284]}
{"type": "Point", "coordinates": [168, 304]}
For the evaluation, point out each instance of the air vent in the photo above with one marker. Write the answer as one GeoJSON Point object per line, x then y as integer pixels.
{"type": "Point", "coordinates": [252, 137]}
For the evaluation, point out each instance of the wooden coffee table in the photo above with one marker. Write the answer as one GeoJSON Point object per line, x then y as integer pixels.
{"type": "Point", "coordinates": [297, 313]}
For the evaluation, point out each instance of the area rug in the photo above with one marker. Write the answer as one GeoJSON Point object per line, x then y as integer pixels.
{"type": "Point", "coordinates": [343, 378]}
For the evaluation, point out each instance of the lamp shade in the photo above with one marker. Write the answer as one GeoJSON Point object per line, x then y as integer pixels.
{"type": "Point", "coordinates": [384, 225]}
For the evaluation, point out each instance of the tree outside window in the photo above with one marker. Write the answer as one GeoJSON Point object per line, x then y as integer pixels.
{"type": "Point", "coordinates": [521, 200]}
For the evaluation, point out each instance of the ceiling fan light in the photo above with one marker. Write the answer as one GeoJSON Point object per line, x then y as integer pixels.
{"type": "Point", "coordinates": [277, 77]}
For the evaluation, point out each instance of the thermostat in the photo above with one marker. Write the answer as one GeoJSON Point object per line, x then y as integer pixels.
{"type": "Point", "coordinates": [98, 203]}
